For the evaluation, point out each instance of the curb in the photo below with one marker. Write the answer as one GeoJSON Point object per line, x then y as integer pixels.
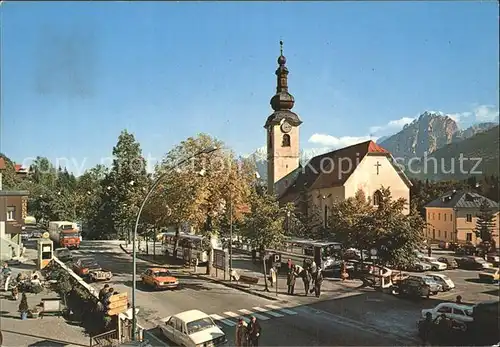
{"type": "Point", "coordinates": [246, 290]}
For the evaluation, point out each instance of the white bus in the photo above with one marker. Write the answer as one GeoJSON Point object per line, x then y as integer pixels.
{"type": "Point", "coordinates": [326, 253]}
{"type": "Point", "coordinates": [190, 246]}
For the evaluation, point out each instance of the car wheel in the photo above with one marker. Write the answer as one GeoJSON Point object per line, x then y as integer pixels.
{"type": "Point", "coordinates": [434, 268]}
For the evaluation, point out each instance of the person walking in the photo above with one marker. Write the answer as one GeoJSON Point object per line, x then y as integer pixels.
{"type": "Point", "coordinates": [254, 331]}
{"type": "Point", "coordinates": [272, 273]}
{"type": "Point", "coordinates": [306, 278]}
{"type": "Point", "coordinates": [318, 283]}
{"type": "Point", "coordinates": [458, 299]}
{"type": "Point", "coordinates": [291, 282]}
{"type": "Point", "coordinates": [241, 333]}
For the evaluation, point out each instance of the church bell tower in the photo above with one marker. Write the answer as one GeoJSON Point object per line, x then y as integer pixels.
{"type": "Point", "coordinates": [283, 151]}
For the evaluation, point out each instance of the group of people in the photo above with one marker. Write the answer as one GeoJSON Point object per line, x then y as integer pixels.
{"type": "Point", "coordinates": [105, 294]}
{"type": "Point", "coordinates": [310, 274]}
{"type": "Point", "coordinates": [247, 334]}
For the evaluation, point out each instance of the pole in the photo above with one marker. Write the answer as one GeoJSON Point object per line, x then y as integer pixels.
{"type": "Point", "coordinates": [230, 236]}
{"type": "Point", "coordinates": [134, 253]}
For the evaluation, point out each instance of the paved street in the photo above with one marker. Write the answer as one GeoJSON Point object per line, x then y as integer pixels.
{"type": "Point", "coordinates": [360, 318]}
{"type": "Point", "coordinates": [283, 323]}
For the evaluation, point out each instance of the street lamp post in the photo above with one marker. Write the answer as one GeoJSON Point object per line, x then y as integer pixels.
{"type": "Point", "coordinates": [134, 251]}
{"type": "Point", "coordinates": [230, 235]}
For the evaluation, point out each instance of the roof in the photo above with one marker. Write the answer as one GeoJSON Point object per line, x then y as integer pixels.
{"type": "Point", "coordinates": [158, 269]}
{"type": "Point", "coordinates": [14, 193]}
{"type": "Point", "coordinates": [191, 315]}
{"type": "Point", "coordinates": [290, 116]}
{"type": "Point", "coordinates": [461, 199]}
{"type": "Point", "coordinates": [318, 173]}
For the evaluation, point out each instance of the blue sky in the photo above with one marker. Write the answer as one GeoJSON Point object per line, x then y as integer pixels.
{"type": "Point", "coordinates": [75, 74]}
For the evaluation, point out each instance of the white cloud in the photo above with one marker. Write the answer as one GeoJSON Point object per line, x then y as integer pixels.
{"type": "Point", "coordinates": [392, 126]}
{"type": "Point", "coordinates": [337, 142]}
{"type": "Point", "coordinates": [486, 113]}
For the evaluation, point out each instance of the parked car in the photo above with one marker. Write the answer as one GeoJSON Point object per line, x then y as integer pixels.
{"type": "Point", "coordinates": [458, 312]}
{"type": "Point", "coordinates": [450, 262]}
{"type": "Point", "coordinates": [434, 263]}
{"type": "Point", "coordinates": [445, 282]}
{"type": "Point", "coordinates": [88, 268]}
{"type": "Point", "coordinates": [489, 275]}
{"type": "Point", "coordinates": [418, 266]}
{"type": "Point", "coordinates": [159, 278]}
{"type": "Point", "coordinates": [473, 263]}
{"type": "Point", "coordinates": [417, 286]}
{"type": "Point", "coordinates": [191, 329]}
{"type": "Point", "coordinates": [493, 258]}
{"type": "Point", "coordinates": [63, 254]}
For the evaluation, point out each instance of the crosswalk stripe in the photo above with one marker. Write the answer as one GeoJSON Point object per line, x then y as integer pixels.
{"type": "Point", "coordinates": [250, 313]}
{"type": "Point", "coordinates": [235, 315]}
{"type": "Point", "coordinates": [290, 312]}
{"type": "Point", "coordinates": [223, 320]}
{"type": "Point", "coordinates": [271, 313]}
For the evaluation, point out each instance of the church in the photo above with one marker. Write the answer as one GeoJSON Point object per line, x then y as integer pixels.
{"type": "Point", "coordinates": [328, 177]}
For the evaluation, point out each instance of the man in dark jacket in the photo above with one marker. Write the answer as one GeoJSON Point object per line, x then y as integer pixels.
{"type": "Point", "coordinates": [306, 277]}
{"type": "Point", "coordinates": [291, 281]}
{"type": "Point", "coordinates": [254, 331]}
{"type": "Point", "coordinates": [103, 291]}
{"type": "Point", "coordinates": [318, 282]}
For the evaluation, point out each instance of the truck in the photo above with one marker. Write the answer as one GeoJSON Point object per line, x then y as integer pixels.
{"type": "Point", "coordinates": [65, 234]}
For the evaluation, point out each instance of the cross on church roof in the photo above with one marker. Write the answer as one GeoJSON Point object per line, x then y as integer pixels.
{"type": "Point", "coordinates": [378, 165]}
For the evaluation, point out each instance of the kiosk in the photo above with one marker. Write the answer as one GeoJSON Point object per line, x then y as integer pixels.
{"type": "Point", "coordinates": [45, 251]}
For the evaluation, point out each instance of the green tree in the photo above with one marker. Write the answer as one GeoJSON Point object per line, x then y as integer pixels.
{"type": "Point", "coordinates": [485, 223]}
{"type": "Point", "coordinates": [9, 177]}
{"type": "Point", "coordinates": [204, 193]}
{"type": "Point", "coordinates": [358, 224]}
{"type": "Point", "coordinates": [128, 182]}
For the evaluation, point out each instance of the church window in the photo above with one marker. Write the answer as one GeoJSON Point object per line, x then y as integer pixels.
{"type": "Point", "coordinates": [326, 216]}
{"type": "Point", "coordinates": [377, 198]}
{"type": "Point", "coordinates": [286, 141]}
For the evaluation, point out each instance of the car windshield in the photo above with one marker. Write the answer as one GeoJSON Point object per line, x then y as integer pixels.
{"type": "Point", "coordinates": [429, 259]}
{"type": "Point", "coordinates": [163, 273]}
{"type": "Point", "coordinates": [491, 271]}
{"type": "Point", "coordinates": [199, 325]}
{"type": "Point", "coordinates": [429, 280]}
{"type": "Point", "coordinates": [445, 278]}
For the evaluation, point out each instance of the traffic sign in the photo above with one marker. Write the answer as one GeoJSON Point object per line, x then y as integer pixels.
{"type": "Point", "coordinates": [118, 303]}
{"type": "Point", "coordinates": [277, 259]}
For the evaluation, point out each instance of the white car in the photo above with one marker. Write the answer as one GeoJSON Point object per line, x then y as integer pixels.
{"type": "Point", "coordinates": [445, 282]}
{"type": "Point", "coordinates": [458, 312]}
{"type": "Point", "coordinates": [434, 263]}
{"type": "Point", "coordinates": [191, 329]}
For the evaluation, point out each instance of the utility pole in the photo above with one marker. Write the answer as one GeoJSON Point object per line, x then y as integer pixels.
{"type": "Point", "coordinates": [230, 235]}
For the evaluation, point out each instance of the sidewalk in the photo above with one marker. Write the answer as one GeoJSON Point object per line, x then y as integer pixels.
{"type": "Point", "coordinates": [46, 331]}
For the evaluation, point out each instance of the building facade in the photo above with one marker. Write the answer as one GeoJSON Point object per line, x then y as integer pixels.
{"type": "Point", "coordinates": [453, 218]}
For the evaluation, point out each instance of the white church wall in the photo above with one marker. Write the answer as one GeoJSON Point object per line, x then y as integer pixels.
{"type": "Point", "coordinates": [365, 177]}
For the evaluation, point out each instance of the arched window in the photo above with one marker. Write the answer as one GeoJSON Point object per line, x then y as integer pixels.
{"type": "Point", "coordinates": [286, 141]}
{"type": "Point", "coordinates": [326, 216]}
{"type": "Point", "coordinates": [377, 198]}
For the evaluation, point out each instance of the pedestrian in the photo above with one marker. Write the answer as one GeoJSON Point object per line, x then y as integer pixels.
{"type": "Point", "coordinates": [241, 333]}
{"type": "Point", "coordinates": [459, 299]}
{"type": "Point", "coordinates": [254, 256]}
{"type": "Point", "coordinates": [299, 270]}
{"type": "Point", "coordinates": [15, 293]}
{"type": "Point", "coordinates": [272, 272]}
{"type": "Point", "coordinates": [426, 329]}
{"type": "Point", "coordinates": [306, 278]}
{"type": "Point", "coordinates": [103, 291]}
{"type": "Point", "coordinates": [289, 264]}
{"type": "Point", "coordinates": [291, 282]}
{"type": "Point", "coordinates": [318, 283]}
{"type": "Point", "coordinates": [107, 296]}
{"type": "Point", "coordinates": [429, 251]}
{"type": "Point", "coordinates": [254, 331]}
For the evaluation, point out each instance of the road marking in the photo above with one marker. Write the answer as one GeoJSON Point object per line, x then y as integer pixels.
{"type": "Point", "coordinates": [235, 315]}
{"type": "Point", "coordinates": [223, 320]}
{"type": "Point", "coordinates": [259, 316]}
{"type": "Point", "coordinates": [290, 312]}
{"type": "Point", "coordinates": [271, 313]}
